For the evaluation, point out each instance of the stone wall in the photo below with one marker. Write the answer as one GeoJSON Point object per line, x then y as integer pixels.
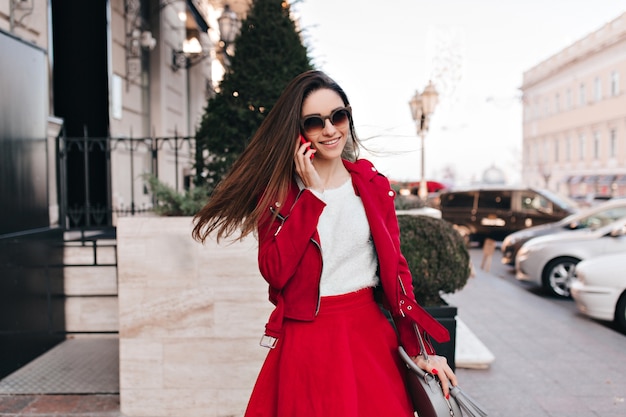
{"type": "Point", "coordinates": [191, 317]}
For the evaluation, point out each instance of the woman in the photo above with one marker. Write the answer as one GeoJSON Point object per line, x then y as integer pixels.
{"type": "Point", "coordinates": [329, 248]}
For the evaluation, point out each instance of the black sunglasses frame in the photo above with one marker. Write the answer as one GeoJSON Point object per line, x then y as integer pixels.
{"type": "Point", "coordinates": [329, 117]}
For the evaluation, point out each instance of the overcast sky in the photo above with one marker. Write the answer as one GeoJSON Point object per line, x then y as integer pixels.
{"type": "Point", "coordinates": [475, 51]}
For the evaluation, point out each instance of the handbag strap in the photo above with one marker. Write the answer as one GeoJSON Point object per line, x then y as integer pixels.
{"type": "Point", "coordinates": [467, 403]}
{"type": "Point", "coordinates": [421, 342]}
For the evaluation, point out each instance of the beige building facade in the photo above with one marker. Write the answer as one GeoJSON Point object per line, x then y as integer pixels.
{"type": "Point", "coordinates": [165, 59]}
{"type": "Point", "coordinates": [156, 88]}
{"type": "Point", "coordinates": [574, 117]}
{"type": "Point", "coordinates": [166, 62]}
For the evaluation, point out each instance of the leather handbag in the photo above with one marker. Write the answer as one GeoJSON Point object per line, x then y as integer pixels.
{"type": "Point", "coordinates": [427, 395]}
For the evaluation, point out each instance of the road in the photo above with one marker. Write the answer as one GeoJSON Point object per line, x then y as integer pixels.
{"type": "Point", "coordinates": [507, 273]}
{"type": "Point", "coordinates": [550, 360]}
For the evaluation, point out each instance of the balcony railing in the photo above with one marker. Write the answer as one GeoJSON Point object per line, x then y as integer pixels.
{"type": "Point", "coordinates": [101, 178]}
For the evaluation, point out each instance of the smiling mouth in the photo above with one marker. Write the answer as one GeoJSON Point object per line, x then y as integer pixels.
{"type": "Point", "coordinates": [330, 142]}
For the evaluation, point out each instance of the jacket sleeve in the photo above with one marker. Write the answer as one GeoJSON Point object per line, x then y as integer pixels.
{"type": "Point", "coordinates": [284, 239]}
{"type": "Point", "coordinates": [404, 324]}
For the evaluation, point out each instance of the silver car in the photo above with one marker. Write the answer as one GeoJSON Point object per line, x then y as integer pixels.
{"type": "Point", "coordinates": [599, 289]}
{"type": "Point", "coordinates": [550, 261]}
{"type": "Point", "coordinates": [592, 217]}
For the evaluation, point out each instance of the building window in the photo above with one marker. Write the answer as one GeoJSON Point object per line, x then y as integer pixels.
{"type": "Point", "coordinates": [581, 147]}
{"type": "Point", "coordinates": [568, 99]}
{"type": "Point", "coordinates": [556, 150]}
{"type": "Point", "coordinates": [614, 83]}
{"type": "Point", "coordinates": [537, 110]}
{"type": "Point", "coordinates": [613, 143]}
{"type": "Point", "coordinates": [596, 145]}
{"type": "Point", "coordinates": [557, 103]}
{"type": "Point", "coordinates": [581, 95]}
{"type": "Point", "coordinates": [568, 149]}
{"type": "Point", "coordinates": [597, 89]}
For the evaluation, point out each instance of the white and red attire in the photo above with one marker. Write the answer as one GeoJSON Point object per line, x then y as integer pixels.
{"type": "Point", "coordinates": [335, 353]}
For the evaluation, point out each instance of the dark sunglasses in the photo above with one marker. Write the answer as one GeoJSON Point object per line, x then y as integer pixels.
{"type": "Point", "coordinates": [312, 125]}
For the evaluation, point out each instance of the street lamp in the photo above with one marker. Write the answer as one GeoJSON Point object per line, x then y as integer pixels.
{"type": "Point", "coordinates": [229, 26]}
{"type": "Point", "coordinates": [422, 107]}
{"type": "Point", "coordinates": [192, 52]}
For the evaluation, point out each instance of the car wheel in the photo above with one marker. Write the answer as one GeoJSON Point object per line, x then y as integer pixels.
{"type": "Point", "coordinates": [558, 275]}
{"type": "Point", "coordinates": [620, 313]}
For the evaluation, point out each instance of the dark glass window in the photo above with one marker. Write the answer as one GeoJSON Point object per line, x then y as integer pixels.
{"type": "Point", "coordinates": [458, 200]}
{"type": "Point", "coordinates": [499, 200]}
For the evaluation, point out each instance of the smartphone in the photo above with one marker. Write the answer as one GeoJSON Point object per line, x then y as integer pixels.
{"type": "Point", "coordinates": [303, 141]}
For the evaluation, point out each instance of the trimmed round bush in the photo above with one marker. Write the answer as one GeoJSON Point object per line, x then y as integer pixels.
{"type": "Point", "coordinates": [437, 256]}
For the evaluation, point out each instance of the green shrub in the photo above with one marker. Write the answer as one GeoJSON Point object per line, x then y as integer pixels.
{"type": "Point", "coordinates": [170, 202]}
{"type": "Point", "coordinates": [437, 257]}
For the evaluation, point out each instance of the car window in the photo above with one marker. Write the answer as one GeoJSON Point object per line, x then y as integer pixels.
{"type": "Point", "coordinates": [498, 200]}
{"type": "Point", "coordinates": [602, 218]}
{"type": "Point", "coordinates": [461, 199]}
{"type": "Point", "coordinates": [535, 202]}
{"type": "Point", "coordinates": [562, 201]}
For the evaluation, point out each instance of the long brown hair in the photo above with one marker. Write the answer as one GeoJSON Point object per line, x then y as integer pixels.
{"type": "Point", "coordinates": [262, 174]}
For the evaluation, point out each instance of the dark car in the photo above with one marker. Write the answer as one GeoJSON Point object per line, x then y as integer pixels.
{"type": "Point", "coordinates": [496, 212]}
{"type": "Point", "coordinates": [591, 217]}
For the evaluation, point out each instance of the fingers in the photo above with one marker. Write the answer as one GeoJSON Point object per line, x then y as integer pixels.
{"type": "Point", "coordinates": [304, 167]}
{"type": "Point", "coordinates": [438, 365]}
{"type": "Point", "coordinates": [452, 377]}
{"type": "Point", "coordinates": [302, 158]}
{"type": "Point", "coordinates": [305, 151]}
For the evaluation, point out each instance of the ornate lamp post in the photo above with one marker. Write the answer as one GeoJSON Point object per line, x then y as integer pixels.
{"type": "Point", "coordinates": [192, 52]}
{"type": "Point", "coordinates": [229, 26]}
{"type": "Point", "coordinates": [422, 107]}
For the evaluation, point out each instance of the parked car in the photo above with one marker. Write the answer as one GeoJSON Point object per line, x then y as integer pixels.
{"type": "Point", "coordinates": [421, 211]}
{"type": "Point", "coordinates": [550, 261]}
{"type": "Point", "coordinates": [599, 289]}
{"type": "Point", "coordinates": [591, 217]}
{"type": "Point", "coordinates": [495, 212]}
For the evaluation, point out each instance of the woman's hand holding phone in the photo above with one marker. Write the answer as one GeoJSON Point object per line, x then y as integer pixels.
{"type": "Point", "coordinates": [305, 169]}
{"type": "Point", "coordinates": [303, 141]}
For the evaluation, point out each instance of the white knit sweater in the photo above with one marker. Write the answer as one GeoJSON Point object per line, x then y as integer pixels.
{"type": "Point", "coordinates": [349, 258]}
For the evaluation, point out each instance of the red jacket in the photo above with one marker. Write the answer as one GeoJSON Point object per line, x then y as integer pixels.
{"type": "Point", "coordinates": [290, 258]}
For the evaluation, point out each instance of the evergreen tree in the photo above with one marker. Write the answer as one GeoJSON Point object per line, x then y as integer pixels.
{"type": "Point", "coordinates": [269, 53]}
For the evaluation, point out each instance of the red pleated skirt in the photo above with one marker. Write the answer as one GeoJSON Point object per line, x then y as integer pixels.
{"type": "Point", "coordinates": [345, 363]}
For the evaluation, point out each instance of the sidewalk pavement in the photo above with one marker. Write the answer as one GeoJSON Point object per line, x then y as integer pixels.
{"type": "Point", "coordinates": [525, 355]}
{"type": "Point", "coordinates": [549, 360]}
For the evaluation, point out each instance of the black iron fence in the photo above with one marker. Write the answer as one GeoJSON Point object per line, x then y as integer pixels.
{"type": "Point", "coordinates": [101, 178]}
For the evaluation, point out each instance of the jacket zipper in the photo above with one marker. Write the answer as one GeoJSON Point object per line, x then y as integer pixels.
{"type": "Point", "coordinates": [319, 283]}
{"type": "Point", "coordinates": [316, 243]}
{"type": "Point", "coordinates": [401, 301]}
{"type": "Point", "coordinates": [281, 217]}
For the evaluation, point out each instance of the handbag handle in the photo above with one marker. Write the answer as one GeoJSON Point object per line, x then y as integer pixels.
{"type": "Point", "coordinates": [421, 342]}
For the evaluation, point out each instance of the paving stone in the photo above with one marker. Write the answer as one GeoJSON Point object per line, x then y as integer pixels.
{"type": "Point", "coordinates": [75, 366]}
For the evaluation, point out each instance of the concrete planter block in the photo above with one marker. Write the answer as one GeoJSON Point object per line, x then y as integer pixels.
{"type": "Point", "coordinates": [190, 318]}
